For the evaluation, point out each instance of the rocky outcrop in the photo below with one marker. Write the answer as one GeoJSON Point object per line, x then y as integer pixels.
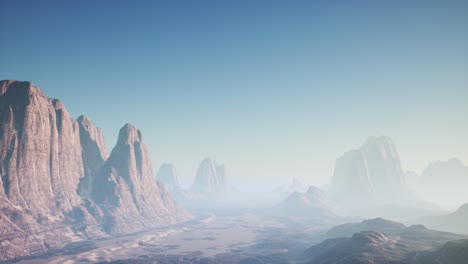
{"type": "Point", "coordinates": [371, 174]}
{"type": "Point", "coordinates": [210, 179]}
{"type": "Point", "coordinates": [126, 190]}
{"type": "Point", "coordinates": [50, 167]}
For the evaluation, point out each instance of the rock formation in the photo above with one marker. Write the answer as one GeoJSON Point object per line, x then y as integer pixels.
{"type": "Point", "coordinates": [51, 165]}
{"type": "Point", "coordinates": [94, 153]}
{"type": "Point", "coordinates": [167, 175]}
{"type": "Point", "coordinates": [210, 178]}
{"type": "Point", "coordinates": [367, 243]}
{"type": "Point", "coordinates": [41, 166]}
{"type": "Point", "coordinates": [370, 175]}
{"type": "Point", "coordinates": [313, 203]}
{"type": "Point", "coordinates": [126, 190]}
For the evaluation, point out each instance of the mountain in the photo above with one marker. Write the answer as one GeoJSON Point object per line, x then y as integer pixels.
{"type": "Point", "coordinates": [452, 252]}
{"type": "Point", "coordinates": [377, 224]}
{"type": "Point", "coordinates": [443, 183]}
{"type": "Point", "coordinates": [56, 183]}
{"type": "Point", "coordinates": [371, 175]}
{"type": "Point", "coordinates": [130, 197]}
{"type": "Point", "coordinates": [364, 243]}
{"type": "Point", "coordinates": [314, 203]}
{"type": "Point", "coordinates": [167, 175]}
{"type": "Point", "coordinates": [456, 222]}
{"type": "Point", "coordinates": [210, 179]}
{"type": "Point", "coordinates": [41, 167]}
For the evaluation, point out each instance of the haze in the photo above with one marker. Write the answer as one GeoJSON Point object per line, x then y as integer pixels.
{"type": "Point", "coordinates": [274, 91]}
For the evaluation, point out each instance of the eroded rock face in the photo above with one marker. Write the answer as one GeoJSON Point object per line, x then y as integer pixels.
{"type": "Point", "coordinates": [370, 174]}
{"type": "Point", "coordinates": [126, 190]}
{"type": "Point", "coordinates": [50, 167]}
{"type": "Point", "coordinates": [41, 166]}
{"type": "Point", "coordinates": [40, 150]}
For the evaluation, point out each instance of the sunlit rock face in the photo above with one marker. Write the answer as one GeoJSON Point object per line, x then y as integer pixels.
{"type": "Point", "coordinates": [53, 171]}
{"type": "Point", "coordinates": [126, 190]}
{"type": "Point", "coordinates": [210, 179]}
{"type": "Point", "coordinates": [371, 174]}
{"type": "Point", "coordinates": [41, 167]}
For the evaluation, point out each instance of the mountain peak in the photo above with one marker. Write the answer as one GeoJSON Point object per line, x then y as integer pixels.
{"type": "Point", "coordinates": [19, 89]}
{"type": "Point", "coordinates": [210, 178]}
{"type": "Point", "coordinates": [129, 134]}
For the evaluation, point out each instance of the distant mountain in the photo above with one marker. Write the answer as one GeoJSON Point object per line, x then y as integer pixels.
{"type": "Point", "coordinates": [371, 175]}
{"type": "Point", "coordinates": [452, 252]}
{"type": "Point", "coordinates": [167, 175]}
{"type": "Point", "coordinates": [456, 222]}
{"type": "Point", "coordinates": [313, 203]}
{"type": "Point", "coordinates": [372, 246]}
{"type": "Point", "coordinates": [443, 183]}
{"type": "Point", "coordinates": [377, 224]}
{"type": "Point", "coordinates": [57, 184]}
{"type": "Point", "coordinates": [211, 179]}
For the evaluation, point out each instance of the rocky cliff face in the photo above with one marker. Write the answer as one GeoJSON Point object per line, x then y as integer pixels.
{"type": "Point", "coordinates": [211, 178]}
{"type": "Point", "coordinates": [372, 173]}
{"type": "Point", "coordinates": [41, 166]}
{"type": "Point", "coordinates": [126, 190]}
{"type": "Point", "coordinates": [94, 153]}
{"type": "Point", "coordinates": [48, 162]}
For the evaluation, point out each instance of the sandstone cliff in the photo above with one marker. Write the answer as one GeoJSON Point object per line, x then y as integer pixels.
{"type": "Point", "coordinates": [50, 166]}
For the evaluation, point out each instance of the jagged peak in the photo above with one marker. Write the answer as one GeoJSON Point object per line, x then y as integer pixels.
{"type": "Point", "coordinates": [84, 119]}
{"type": "Point", "coordinates": [129, 134]}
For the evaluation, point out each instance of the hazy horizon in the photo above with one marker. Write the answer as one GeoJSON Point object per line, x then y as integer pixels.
{"type": "Point", "coordinates": [273, 92]}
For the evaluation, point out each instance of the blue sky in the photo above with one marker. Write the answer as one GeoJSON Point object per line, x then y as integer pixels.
{"type": "Point", "coordinates": [274, 89]}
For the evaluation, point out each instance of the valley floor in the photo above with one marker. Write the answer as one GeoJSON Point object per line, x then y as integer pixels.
{"type": "Point", "coordinates": [211, 238]}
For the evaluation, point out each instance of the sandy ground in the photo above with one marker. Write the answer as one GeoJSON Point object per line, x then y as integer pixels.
{"type": "Point", "coordinates": [207, 236]}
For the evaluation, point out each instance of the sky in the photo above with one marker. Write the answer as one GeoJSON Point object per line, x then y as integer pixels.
{"type": "Point", "coordinates": [272, 89]}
